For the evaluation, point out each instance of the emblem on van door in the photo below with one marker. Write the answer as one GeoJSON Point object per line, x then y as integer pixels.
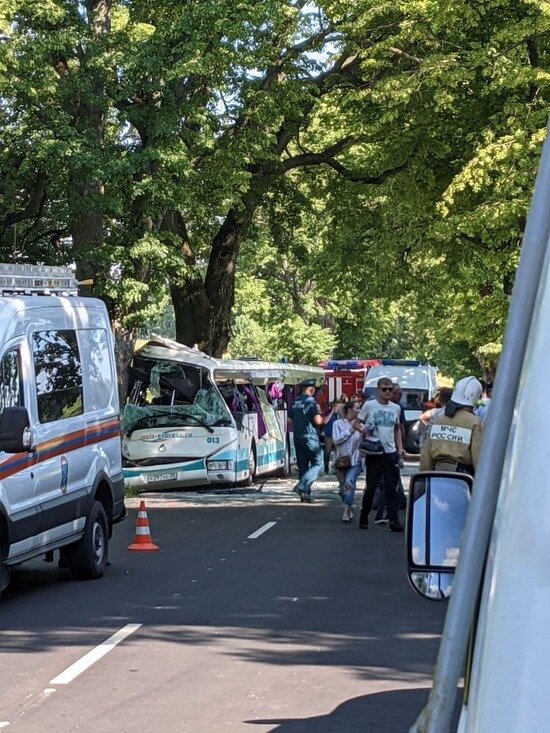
{"type": "Point", "coordinates": [64, 474]}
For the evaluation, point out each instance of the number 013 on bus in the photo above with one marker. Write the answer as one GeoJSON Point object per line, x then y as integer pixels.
{"type": "Point", "coordinates": [193, 420]}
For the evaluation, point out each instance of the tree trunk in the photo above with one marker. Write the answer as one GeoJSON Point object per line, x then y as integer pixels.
{"type": "Point", "coordinates": [192, 312]}
{"type": "Point", "coordinates": [124, 349]}
{"type": "Point", "coordinates": [86, 190]}
{"type": "Point", "coordinates": [203, 309]}
{"type": "Point", "coordinates": [86, 229]}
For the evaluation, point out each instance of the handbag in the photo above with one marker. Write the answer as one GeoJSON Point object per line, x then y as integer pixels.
{"type": "Point", "coordinates": [342, 463]}
{"type": "Point", "coordinates": [371, 447]}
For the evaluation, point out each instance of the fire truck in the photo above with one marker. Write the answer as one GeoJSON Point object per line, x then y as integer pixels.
{"type": "Point", "coordinates": [344, 376]}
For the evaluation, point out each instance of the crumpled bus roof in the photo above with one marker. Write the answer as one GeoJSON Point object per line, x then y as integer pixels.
{"type": "Point", "coordinates": [255, 372]}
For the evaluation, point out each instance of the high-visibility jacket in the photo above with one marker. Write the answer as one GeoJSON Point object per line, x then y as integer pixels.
{"type": "Point", "coordinates": [453, 440]}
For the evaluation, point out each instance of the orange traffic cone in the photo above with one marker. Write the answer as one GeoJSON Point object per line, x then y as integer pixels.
{"type": "Point", "coordinates": [142, 539]}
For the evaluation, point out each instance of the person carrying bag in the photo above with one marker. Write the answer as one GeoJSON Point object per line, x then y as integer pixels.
{"type": "Point", "coordinates": [379, 422]}
{"type": "Point", "coordinates": [348, 462]}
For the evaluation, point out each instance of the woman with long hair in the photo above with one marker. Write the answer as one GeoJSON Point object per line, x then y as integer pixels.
{"type": "Point", "coordinates": [348, 461]}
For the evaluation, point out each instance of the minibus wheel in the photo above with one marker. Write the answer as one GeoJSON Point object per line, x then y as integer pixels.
{"type": "Point", "coordinates": [251, 465]}
{"type": "Point", "coordinates": [284, 471]}
{"type": "Point", "coordinates": [88, 556]}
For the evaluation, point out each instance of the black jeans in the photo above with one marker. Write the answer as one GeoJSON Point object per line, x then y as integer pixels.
{"type": "Point", "coordinates": [376, 469]}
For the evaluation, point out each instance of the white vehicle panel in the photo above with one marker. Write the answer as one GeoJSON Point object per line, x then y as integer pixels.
{"type": "Point", "coordinates": [175, 442]}
{"type": "Point", "coordinates": [509, 690]}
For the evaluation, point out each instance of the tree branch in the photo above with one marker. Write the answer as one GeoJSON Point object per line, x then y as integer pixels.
{"type": "Point", "coordinates": [405, 55]}
{"type": "Point", "coordinates": [34, 207]}
{"type": "Point", "coordinates": [360, 178]}
{"type": "Point", "coordinates": [327, 157]}
{"type": "Point", "coordinates": [311, 158]}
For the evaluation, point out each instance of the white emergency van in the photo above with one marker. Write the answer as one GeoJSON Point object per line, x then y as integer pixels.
{"type": "Point", "coordinates": [61, 483]}
{"type": "Point", "coordinates": [486, 546]}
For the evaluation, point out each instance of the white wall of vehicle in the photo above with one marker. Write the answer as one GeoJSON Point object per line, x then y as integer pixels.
{"type": "Point", "coordinates": [409, 377]}
{"type": "Point", "coordinates": [509, 683]}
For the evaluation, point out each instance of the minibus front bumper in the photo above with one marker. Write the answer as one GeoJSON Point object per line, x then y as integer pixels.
{"type": "Point", "coordinates": [195, 472]}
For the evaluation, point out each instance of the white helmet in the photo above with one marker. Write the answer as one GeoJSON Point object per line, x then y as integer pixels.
{"type": "Point", "coordinates": [467, 391]}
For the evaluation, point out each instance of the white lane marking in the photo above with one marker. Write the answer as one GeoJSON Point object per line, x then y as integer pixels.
{"type": "Point", "coordinates": [260, 531]}
{"type": "Point", "coordinates": [4, 724]}
{"type": "Point", "coordinates": [94, 655]}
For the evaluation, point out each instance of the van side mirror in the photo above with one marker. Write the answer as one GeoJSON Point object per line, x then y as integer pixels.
{"type": "Point", "coordinates": [15, 436]}
{"type": "Point", "coordinates": [438, 505]}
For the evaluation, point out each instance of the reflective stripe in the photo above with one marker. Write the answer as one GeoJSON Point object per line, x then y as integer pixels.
{"type": "Point", "coordinates": [142, 530]}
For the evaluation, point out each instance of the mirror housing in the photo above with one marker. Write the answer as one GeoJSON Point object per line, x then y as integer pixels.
{"type": "Point", "coordinates": [15, 434]}
{"type": "Point", "coordinates": [438, 505]}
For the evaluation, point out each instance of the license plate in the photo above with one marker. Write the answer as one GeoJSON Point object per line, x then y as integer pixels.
{"type": "Point", "coordinates": [158, 477]}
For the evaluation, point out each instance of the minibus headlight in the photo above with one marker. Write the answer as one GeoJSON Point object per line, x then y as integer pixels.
{"type": "Point", "coordinates": [220, 465]}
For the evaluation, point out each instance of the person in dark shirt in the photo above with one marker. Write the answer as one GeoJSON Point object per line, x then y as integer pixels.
{"type": "Point", "coordinates": [306, 419]}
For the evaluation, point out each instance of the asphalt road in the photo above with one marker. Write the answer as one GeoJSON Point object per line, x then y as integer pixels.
{"type": "Point", "coordinates": [308, 628]}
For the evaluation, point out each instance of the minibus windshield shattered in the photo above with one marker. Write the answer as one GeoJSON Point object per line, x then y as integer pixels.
{"type": "Point", "coordinates": [168, 394]}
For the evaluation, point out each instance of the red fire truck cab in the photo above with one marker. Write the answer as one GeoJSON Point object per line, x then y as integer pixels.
{"type": "Point", "coordinates": [343, 377]}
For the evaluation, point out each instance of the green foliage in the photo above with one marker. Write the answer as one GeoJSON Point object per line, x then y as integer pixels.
{"type": "Point", "coordinates": [363, 169]}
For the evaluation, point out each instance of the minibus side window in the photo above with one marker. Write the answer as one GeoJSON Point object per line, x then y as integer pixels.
{"type": "Point", "coordinates": [10, 385]}
{"type": "Point", "coordinates": [58, 375]}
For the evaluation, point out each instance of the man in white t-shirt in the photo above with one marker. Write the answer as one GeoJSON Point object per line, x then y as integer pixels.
{"type": "Point", "coordinates": [379, 418]}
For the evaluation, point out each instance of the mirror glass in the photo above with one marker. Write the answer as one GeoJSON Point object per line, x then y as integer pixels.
{"type": "Point", "coordinates": [439, 505]}
{"type": "Point", "coordinates": [435, 585]}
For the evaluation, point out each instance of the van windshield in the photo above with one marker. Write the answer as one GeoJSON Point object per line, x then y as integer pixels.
{"type": "Point", "coordinates": [169, 394]}
{"type": "Point", "coordinates": [414, 399]}
{"type": "Point", "coordinates": [411, 399]}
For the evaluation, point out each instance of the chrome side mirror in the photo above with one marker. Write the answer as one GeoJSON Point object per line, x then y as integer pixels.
{"type": "Point", "coordinates": [438, 504]}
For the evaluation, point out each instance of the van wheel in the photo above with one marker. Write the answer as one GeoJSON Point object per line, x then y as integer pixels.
{"type": "Point", "coordinates": [88, 556]}
{"type": "Point", "coordinates": [4, 577]}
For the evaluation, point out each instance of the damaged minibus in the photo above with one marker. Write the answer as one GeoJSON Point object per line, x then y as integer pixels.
{"type": "Point", "coordinates": [192, 420]}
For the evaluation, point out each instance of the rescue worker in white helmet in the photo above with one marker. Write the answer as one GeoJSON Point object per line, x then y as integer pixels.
{"type": "Point", "coordinates": [454, 439]}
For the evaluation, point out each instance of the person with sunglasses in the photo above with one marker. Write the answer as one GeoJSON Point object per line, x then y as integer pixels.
{"type": "Point", "coordinates": [379, 419]}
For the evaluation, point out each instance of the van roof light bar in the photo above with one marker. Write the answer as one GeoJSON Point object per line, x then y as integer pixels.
{"type": "Point", "coordinates": [400, 362]}
{"type": "Point", "coordinates": [37, 280]}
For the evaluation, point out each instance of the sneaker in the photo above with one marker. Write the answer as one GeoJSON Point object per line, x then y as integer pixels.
{"type": "Point", "coordinates": [380, 519]}
{"type": "Point", "coordinates": [346, 517]}
{"type": "Point", "coordinates": [296, 489]}
{"type": "Point", "coordinates": [396, 527]}
{"type": "Point", "coordinates": [306, 497]}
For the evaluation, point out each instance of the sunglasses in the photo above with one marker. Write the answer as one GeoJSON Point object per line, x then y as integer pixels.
{"type": "Point", "coordinates": [386, 389]}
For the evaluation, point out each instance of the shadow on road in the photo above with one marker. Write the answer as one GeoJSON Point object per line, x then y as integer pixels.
{"type": "Point", "coordinates": [381, 712]}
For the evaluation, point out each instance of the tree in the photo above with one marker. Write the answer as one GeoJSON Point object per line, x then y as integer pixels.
{"type": "Point", "coordinates": [439, 243]}
{"type": "Point", "coordinates": [388, 148]}
{"type": "Point", "coordinates": [171, 121]}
